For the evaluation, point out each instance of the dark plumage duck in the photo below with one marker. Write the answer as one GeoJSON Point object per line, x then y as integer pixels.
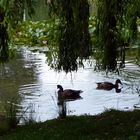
{"type": "Point", "coordinates": [108, 85]}
{"type": "Point", "coordinates": [68, 93]}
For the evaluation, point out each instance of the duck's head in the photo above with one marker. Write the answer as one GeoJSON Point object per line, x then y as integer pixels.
{"type": "Point", "coordinates": [118, 81]}
{"type": "Point", "coordinates": [60, 87]}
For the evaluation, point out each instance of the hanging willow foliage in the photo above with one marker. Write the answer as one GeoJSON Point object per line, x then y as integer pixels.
{"type": "Point", "coordinates": [116, 28]}
{"type": "Point", "coordinates": [11, 12]}
{"type": "Point", "coordinates": [73, 37]}
{"type": "Point", "coordinates": [14, 10]}
{"type": "Point", "coordinates": [133, 15]}
{"type": "Point", "coordinates": [109, 16]}
{"type": "Point", "coordinates": [3, 37]}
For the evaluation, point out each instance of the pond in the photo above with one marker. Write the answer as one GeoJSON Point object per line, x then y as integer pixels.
{"type": "Point", "coordinates": [28, 79]}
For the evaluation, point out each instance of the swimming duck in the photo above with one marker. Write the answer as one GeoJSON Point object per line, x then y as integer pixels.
{"type": "Point", "coordinates": [68, 93]}
{"type": "Point", "coordinates": [108, 85]}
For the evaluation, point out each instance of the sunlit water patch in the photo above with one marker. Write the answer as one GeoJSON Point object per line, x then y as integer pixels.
{"type": "Point", "coordinates": [36, 83]}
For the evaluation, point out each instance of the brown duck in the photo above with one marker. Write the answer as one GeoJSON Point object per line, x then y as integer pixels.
{"type": "Point", "coordinates": [108, 85]}
{"type": "Point", "coordinates": [68, 93]}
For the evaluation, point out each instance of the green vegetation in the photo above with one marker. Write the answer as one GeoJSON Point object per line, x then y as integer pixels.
{"type": "Point", "coordinates": [115, 28]}
{"type": "Point", "coordinates": [11, 12]}
{"type": "Point", "coordinates": [72, 35]}
{"type": "Point", "coordinates": [34, 33]}
{"type": "Point", "coordinates": [45, 33]}
{"type": "Point", "coordinates": [109, 125]}
{"type": "Point", "coordinates": [31, 33]}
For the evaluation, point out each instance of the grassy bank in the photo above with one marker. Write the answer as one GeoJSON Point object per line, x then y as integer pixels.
{"type": "Point", "coordinates": [110, 125]}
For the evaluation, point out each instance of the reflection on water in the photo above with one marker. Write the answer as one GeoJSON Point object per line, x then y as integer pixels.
{"type": "Point", "coordinates": [31, 78]}
{"type": "Point", "coordinates": [62, 108]}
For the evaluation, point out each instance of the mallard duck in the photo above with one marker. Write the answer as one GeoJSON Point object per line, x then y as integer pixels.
{"type": "Point", "coordinates": [68, 93]}
{"type": "Point", "coordinates": [108, 85]}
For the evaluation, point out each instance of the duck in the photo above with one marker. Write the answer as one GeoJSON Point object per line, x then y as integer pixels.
{"type": "Point", "coordinates": [109, 85]}
{"type": "Point", "coordinates": [68, 93]}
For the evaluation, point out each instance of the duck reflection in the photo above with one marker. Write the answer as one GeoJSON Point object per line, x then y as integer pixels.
{"type": "Point", "coordinates": [118, 90]}
{"type": "Point", "coordinates": [62, 108]}
{"type": "Point", "coordinates": [65, 96]}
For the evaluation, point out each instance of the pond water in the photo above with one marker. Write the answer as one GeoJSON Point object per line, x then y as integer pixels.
{"type": "Point", "coordinates": [29, 77]}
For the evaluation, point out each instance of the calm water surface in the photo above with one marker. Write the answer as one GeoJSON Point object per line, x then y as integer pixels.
{"type": "Point", "coordinates": [29, 76]}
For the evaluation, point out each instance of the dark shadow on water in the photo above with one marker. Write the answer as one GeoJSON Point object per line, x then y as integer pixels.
{"type": "Point", "coordinates": [62, 105]}
{"type": "Point", "coordinates": [117, 90]}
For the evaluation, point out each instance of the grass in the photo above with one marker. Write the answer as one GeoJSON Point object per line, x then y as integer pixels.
{"type": "Point", "coordinates": [110, 125]}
